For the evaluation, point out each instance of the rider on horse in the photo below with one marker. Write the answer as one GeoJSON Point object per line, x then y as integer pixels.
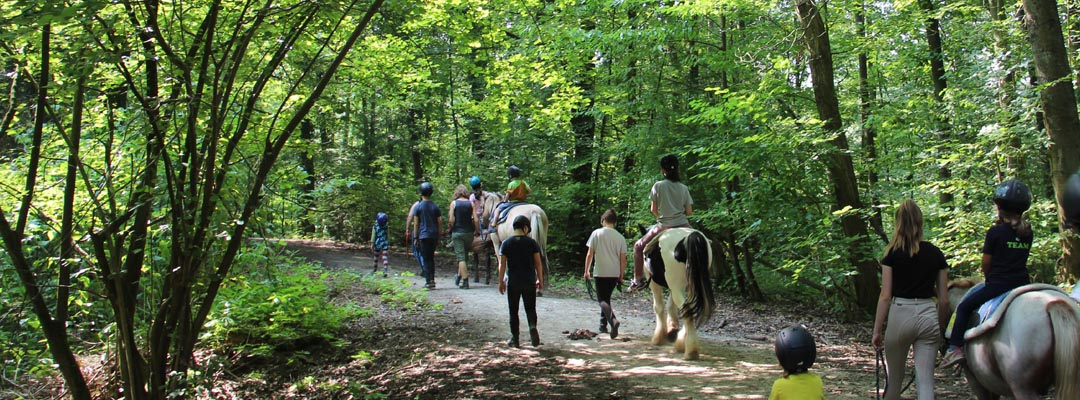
{"type": "Point", "coordinates": [1004, 260]}
{"type": "Point", "coordinates": [516, 192]}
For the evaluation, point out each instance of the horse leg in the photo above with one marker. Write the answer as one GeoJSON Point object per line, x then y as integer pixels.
{"type": "Point", "coordinates": [688, 335]}
{"type": "Point", "coordinates": [660, 334]}
{"type": "Point", "coordinates": [672, 325]}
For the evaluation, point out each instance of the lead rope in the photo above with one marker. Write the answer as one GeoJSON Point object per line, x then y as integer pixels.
{"type": "Point", "coordinates": [877, 373]}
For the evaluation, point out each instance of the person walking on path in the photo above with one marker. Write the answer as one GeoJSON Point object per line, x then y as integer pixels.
{"type": "Point", "coordinates": [427, 223]}
{"type": "Point", "coordinates": [380, 244]}
{"type": "Point", "coordinates": [670, 203]}
{"type": "Point", "coordinates": [520, 262]}
{"type": "Point", "coordinates": [1004, 260]}
{"type": "Point", "coordinates": [913, 273]}
{"type": "Point", "coordinates": [607, 257]}
{"type": "Point", "coordinates": [463, 226]}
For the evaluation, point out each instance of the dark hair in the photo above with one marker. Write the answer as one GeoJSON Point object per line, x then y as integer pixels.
{"type": "Point", "coordinates": [609, 217]}
{"type": "Point", "coordinates": [670, 164]}
{"type": "Point", "coordinates": [521, 222]}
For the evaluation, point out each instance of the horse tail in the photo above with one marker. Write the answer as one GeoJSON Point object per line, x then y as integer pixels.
{"type": "Point", "coordinates": [700, 301]}
{"type": "Point", "coordinates": [1065, 318]}
{"type": "Point", "coordinates": [538, 222]}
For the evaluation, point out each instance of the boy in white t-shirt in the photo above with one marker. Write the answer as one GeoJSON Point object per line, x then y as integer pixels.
{"type": "Point", "coordinates": [607, 256]}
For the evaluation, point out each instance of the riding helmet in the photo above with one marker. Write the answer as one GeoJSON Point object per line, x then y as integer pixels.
{"type": "Point", "coordinates": [1070, 203]}
{"type": "Point", "coordinates": [381, 218]}
{"type": "Point", "coordinates": [474, 182]}
{"type": "Point", "coordinates": [426, 189]}
{"type": "Point", "coordinates": [1012, 195]}
{"type": "Point", "coordinates": [513, 171]}
{"type": "Point", "coordinates": [795, 349]}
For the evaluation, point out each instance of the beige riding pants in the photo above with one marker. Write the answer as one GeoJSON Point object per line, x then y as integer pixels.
{"type": "Point", "coordinates": [913, 323]}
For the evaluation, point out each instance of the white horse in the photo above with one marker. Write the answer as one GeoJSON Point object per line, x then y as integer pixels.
{"type": "Point", "coordinates": [539, 224]}
{"type": "Point", "coordinates": [680, 262]}
{"type": "Point", "coordinates": [1034, 345]}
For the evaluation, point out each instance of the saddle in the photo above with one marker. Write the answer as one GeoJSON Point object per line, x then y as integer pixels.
{"type": "Point", "coordinates": [989, 314]}
{"type": "Point", "coordinates": [504, 209]}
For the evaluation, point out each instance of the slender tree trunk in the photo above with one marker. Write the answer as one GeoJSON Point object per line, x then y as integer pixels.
{"type": "Point", "coordinates": [54, 329]}
{"type": "Point", "coordinates": [840, 166]}
{"type": "Point", "coordinates": [415, 134]}
{"type": "Point", "coordinates": [307, 164]}
{"type": "Point", "coordinates": [1059, 107]}
{"type": "Point", "coordinates": [869, 135]}
{"type": "Point", "coordinates": [937, 75]}
{"type": "Point", "coordinates": [584, 125]}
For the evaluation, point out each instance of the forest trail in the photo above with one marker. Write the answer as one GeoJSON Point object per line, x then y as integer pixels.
{"type": "Point", "coordinates": [627, 367]}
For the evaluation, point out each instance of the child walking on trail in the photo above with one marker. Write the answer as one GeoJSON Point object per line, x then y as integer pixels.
{"type": "Point", "coordinates": [520, 262]}
{"type": "Point", "coordinates": [670, 203]}
{"type": "Point", "coordinates": [607, 256]}
{"type": "Point", "coordinates": [796, 351]}
{"type": "Point", "coordinates": [517, 191]}
{"type": "Point", "coordinates": [427, 223]}
{"type": "Point", "coordinates": [380, 245]}
{"type": "Point", "coordinates": [1004, 260]}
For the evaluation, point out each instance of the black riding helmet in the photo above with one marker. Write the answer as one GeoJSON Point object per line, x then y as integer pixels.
{"type": "Point", "coordinates": [795, 349]}
{"type": "Point", "coordinates": [1070, 203]}
{"type": "Point", "coordinates": [426, 189]}
{"type": "Point", "coordinates": [513, 172]}
{"type": "Point", "coordinates": [1012, 195]}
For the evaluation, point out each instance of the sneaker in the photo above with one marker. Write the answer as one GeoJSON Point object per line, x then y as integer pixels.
{"type": "Point", "coordinates": [513, 342]}
{"type": "Point", "coordinates": [954, 357]}
{"type": "Point", "coordinates": [614, 327]}
{"type": "Point", "coordinates": [534, 337]}
{"type": "Point", "coordinates": [603, 329]}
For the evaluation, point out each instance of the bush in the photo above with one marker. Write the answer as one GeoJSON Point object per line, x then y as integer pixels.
{"type": "Point", "coordinates": [285, 305]}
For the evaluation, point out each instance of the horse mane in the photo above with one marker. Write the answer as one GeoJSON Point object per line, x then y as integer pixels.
{"type": "Point", "coordinates": [963, 283]}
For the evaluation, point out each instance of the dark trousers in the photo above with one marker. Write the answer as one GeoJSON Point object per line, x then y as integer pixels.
{"type": "Point", "coordinates": [972, 303]}
{"type": "Point", "coordinates": [514, 296]}
{"type": "Point", "coordinates": [604, 288]}
{"type": "Point", "coordinates": [427, 258]}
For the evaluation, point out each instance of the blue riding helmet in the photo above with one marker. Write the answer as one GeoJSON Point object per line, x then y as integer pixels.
{"type": "Point", "coordinates": [474, 182]}
{"type": "Point", "coordinates": [426, 189]}
{"type": "Point", "coordinates": [381, 218]}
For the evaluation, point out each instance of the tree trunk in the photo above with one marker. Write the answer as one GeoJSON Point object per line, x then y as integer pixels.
{"type": "Point", "coordinates": [584, 125]}
{"type": "Point", "coordinates": [415, 134]}
{"type": "Point", "coordinates": [1058, 100]}
{"type": "Point", "coordinates": [937, 75]}
{"type": "Point", "coordinates": [307, 164]}
{"type": "Point", "coordinates": [840, 166]}
{"type": "Point", "coordinates": [869, 135]}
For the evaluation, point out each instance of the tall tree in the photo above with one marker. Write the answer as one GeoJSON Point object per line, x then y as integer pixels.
{"type": "Point", "coordinates": [840, 166]}
{"type": "Point", "coordinates": [1058, 98]}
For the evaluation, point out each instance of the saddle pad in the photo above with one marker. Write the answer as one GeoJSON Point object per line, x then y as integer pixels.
{"type": "Point", "coordinates": [504, 209]}
{"type": "Point", "coordinates": [994, 317]}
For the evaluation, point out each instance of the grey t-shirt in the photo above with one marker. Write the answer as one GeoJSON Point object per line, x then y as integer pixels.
{"type": "Point", "coordinates": [608, 245]}
{"type": "Point", "coordinates": [671, 199]}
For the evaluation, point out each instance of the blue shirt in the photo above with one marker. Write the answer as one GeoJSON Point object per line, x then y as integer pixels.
{"type": "Point", "coordinates": [427, 214]}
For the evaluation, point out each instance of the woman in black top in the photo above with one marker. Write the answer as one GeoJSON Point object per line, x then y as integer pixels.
{"type": "Point", "coordinates": [913, 273]}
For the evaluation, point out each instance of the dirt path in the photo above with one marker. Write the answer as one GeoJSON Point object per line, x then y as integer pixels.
{"type": "Point", "coordinates": [471, 359]}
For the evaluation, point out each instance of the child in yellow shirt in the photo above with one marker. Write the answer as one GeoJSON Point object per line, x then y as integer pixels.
{"type": "Point", "coordinates": [796, 351]}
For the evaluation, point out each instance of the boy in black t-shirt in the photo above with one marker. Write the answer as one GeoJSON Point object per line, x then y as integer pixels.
{"type": "Point", "coordinates": [520, 262]}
